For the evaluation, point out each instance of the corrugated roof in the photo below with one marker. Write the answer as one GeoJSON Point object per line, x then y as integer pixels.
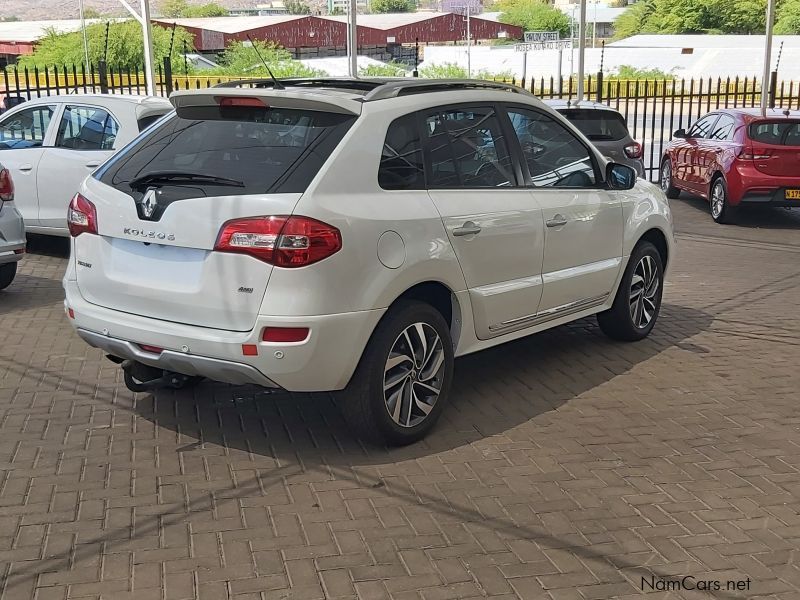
{"type": "Point", "coordinates": [31, 31]}
{"type": "Point", "coordinates": [233, 24]}
{"type": "Point", "coordinates": [389, 20]}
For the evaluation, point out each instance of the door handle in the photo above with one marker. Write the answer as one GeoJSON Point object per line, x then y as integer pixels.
{"type": "Point", "coordinates": [25, 168]}
{"type": "Point", "coordinates": [556, 221]}
{"type": "Point", "coordinates": [468, 228]}
{"type": "Point", "coordinates": [92, 165]}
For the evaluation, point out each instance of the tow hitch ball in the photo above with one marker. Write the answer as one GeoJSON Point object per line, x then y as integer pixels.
{"type": "Point", "coordinates": [143, 378]}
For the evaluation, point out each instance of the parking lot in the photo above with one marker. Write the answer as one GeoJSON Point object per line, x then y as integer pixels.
{"type": "Point", "coordinates": [568, 466]}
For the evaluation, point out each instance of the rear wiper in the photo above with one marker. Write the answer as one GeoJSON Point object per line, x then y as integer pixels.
{"type": "Point", "coordinates": [181, 177]}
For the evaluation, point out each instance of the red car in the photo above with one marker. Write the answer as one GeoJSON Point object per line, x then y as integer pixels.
{"type": "Point", "coordinates": [736, 156]}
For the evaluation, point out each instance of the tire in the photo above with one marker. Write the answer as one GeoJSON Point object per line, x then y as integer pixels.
{"type": "Point", "coordinates": [665, 180]}
{"type": "Point", "coordinates": [395, 417]}
{"type": "Point", "coordinates": [721, 211]}
{"type": "Point", "coordinates": [7, 273]}
{"type": "Point", "coordinates": [644, 273]}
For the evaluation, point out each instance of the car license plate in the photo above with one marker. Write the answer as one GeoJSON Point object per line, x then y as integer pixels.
{"type": "Point", "coordinates": [792, 194]}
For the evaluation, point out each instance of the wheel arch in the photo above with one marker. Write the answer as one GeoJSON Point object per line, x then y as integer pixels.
{"type": "Point", "coordinates": [656, 236]}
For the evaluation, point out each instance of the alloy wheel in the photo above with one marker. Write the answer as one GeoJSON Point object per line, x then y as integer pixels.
{"type": "Point", "coordinates": [717, 199]}
{"type": "Point", "coordinates": [666, 177]}
{"type": "Point", "coordinates": [644, 289]}
{"type": "Point", "coordinates": [414, 374]}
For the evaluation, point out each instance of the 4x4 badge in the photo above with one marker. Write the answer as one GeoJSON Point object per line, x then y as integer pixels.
{"type": "Point", "coordinates": [149, 203]}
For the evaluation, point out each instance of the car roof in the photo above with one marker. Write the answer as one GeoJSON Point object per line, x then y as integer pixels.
{"type": "Point", "coordinates": [98, 99]}
{"type": "Point", "coordinates": [754, 113]}
{"type": "Point", "coordinates": [560, 104]}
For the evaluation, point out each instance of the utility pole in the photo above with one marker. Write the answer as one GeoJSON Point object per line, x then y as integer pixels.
{"type": "Point", "coordinates": [147, 37]}
{"type": "Point", "coordinates": [469, 44]}
{"type": "Point", "coordinates": [765, 76]}
{"type": "Point", "coordinates": [582, 50]}
{"type": "Point", "coordinates": [85, 40]}
{"type": "Point", "coordinates": [352, 38]}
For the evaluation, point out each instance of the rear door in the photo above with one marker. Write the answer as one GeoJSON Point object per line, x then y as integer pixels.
{"type": "Point", "coordinates": [162, 202]}
{"type": "Point", "coordinates": [494, 224]}
{"type": "Point", "coordinates": [606, 129]}
{"type": "Point", "coordinates": [24, 134]}
{"type": "Point", "coordinates": [583, 220]}
{"type": "Point", "coordinates": [776, 146]}
{"type": "Point", "coordinates": [85, 137]}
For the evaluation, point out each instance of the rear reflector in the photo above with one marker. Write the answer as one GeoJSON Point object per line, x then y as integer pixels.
{"type": "Point", "coordinates": [284, 334]}
{"type": "Point", "coordinates": [151, 349]}
{"type": "Point", "coordinates": [71, 313]}
{"type": "Point", "coordinates": [6, 186]}
{"type": "Point", "coordinates": [19, 251]}
{"type": "Point", "coordinates": [249, 350]}
{"type": "Point", "coordinates": [242, 101]}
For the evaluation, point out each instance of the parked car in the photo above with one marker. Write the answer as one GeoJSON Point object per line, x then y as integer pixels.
{"type": "Point", "coordinates": [9, 100]}
{"type": "Point", "coordinates": [354, 236]}
{"type": "Point", "coordinates": [606, 129]}
{"type": "Point", "coordinates": [735, 157]}
{"type": "Point", "coordinates": [12, 231]}
{"type": "Point", "coordinates": [51, 144]}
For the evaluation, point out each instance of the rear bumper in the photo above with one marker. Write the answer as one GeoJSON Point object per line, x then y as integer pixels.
{"type": "Point", "coordinates": [769, 198]}
{"type": "Point", "coordinates": [748, 185]}
{"type": "Point", "coordinates": [12, 234]}
{"type": "Point", "coordinates": [325, 361]}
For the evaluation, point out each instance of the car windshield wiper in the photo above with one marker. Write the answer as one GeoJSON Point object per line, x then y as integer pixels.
{"type": "Point", "coordinates": [181, 177]}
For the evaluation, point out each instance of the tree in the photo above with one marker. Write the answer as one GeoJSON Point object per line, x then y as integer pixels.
{"type": "Point", "coordinates": [240, 59]}
{"type": "Point", "coordinates": [92, 13]}
{"type": "Point", "coordinates": [297, 7]}
{"type": "Point", "coordinates": [787, 20]}
{"type": "Point", "coordinates": [125, 46]}
{"type": "Point", "coordinates": [182, 8]}
{"type": "Point", "coordinates": [533, 15]}
{"type": "Point", "coordinates": [393, 6]}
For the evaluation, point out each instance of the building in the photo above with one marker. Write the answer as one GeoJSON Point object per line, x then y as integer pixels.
{"type": "Point", "coordinates": [336, 7]}
{"type": "Point", "coordinates": [20, 37]}
{"type": "Point", "coordinates": [276, 7]}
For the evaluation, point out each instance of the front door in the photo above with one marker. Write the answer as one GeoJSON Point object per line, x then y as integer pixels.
{"type": "Point", "coordinates": [85, 139]}
{"type": "Point", "coordinates": [696, 153]}
{"type": "Point", "coordinates": [583, 220]}
{"type": "Point", "coordinates": [23, 134]}
{"type": "Point", "coordinates": [494, 224]}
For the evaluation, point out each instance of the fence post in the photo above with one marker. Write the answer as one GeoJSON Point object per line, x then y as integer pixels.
{"type": "Point", "coordinates": [168, 75]}
{"type": "Point", "coordinates": [103, 73]}
{"type": "Point", "coordinates": [773, 88]}
{"type": "Point", "coordinates": [599, 86]}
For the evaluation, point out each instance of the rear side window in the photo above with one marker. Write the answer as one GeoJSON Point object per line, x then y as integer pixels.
{"type": "Point", "coordinates": [86, 128]}
{"type": "Point", "coordinates": [402, 165]}
{"type": "Point", "coordinates": [263, 150]}
{"type": "Point", "coordinates": [780, 133]}
{"type": "Point", "coordinates": [598, 125]}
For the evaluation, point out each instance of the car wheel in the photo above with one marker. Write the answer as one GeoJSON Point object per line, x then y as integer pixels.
{"type": "Point", "coordinates": [638, 300]}
{"type": "Point", "coordinates": [7, 273]}
{"type": "Point", "coordinates": [404, 377]}
{"type": "Point", "coordinates": [721, 211]}
{"type": "Point", "coordinates": [666, 180]}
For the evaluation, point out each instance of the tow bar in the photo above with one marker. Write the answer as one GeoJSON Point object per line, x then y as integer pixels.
{"type": "Point", "coordinates": [143, 378]}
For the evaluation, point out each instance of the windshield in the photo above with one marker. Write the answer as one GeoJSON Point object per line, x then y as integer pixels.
{"type": "Point", "coordinates": [275, 150]}
{"type": "Point", "coordinates": [597, 125]}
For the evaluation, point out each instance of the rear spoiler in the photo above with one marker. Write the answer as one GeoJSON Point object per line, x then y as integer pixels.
{"type": "Point", "coordinates": [302, 100]}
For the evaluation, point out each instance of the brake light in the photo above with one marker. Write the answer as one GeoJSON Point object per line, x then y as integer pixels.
{"type": "Point", "coordinates": [281, 241]}
{"type": "Point", "coordinates": [750, 154]}
{"type": "Point", "coordinates": [6, 186]}
{"type": "Point", "coordinates": [633, 150]}
{"type": "Point", "coordinates": [242, 101]}
{"type": "Point", "coordinates": [284, 334]}
{"type": "Point", "coordinates": [81, 216]}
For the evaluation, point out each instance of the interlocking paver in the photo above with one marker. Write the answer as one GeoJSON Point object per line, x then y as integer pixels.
{"type": "Point", "coordinates": [567, 466]}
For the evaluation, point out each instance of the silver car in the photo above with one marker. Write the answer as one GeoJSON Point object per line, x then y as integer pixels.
{"type": "Point", "coordinates": [12, 231]}
{"type": "Point", "coordinates": [606, 129]}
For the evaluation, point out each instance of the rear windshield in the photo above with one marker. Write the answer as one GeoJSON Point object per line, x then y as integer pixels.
{"type": "Point", "coordinates": [263, 150]}
{"type": "Point", "coordinates": [597, 125]}
{"type": "Point", "coordinates": [781, 133]}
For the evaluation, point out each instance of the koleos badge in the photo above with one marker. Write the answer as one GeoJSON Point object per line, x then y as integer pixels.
{"type": "Point", "coordinates": [149, 203]}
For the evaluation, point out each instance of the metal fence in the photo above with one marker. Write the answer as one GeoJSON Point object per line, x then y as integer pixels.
{"type": "Point", "coordinates": [653, 108]}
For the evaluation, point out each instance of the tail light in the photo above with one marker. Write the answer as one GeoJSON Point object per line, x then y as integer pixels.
{"type": "Point", "coordinates": [750, 154]}
{"type": "Point", "coordinates": [81, 216]}
{"type": "Point", "coordinates": [633, 150]}
{"type": "Point", "coordinates": [281, 241]}
{"type": "Point", "coordinates": [6, 186]}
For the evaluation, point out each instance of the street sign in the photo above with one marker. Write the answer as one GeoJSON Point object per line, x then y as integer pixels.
{"type": "Point", "coordinates": [541, 36]}
{"type": "Point", "coordinates": [554, 45]}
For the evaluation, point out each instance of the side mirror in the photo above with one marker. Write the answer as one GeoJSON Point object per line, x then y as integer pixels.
{"type": "Point", "coordinates": [680, 133]}
{"type": "Point", "coordinates": [620, 177]}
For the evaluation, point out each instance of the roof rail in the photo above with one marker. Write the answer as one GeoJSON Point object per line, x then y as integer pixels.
{"type": "Point", "coordinates": [341, 83]}
{"type": "Point", "coordinates": [403, 87]}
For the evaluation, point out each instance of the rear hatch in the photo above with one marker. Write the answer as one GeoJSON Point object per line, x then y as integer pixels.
{"type": "Point", "coordinates": [606, 129]}
{"type": "Point", "coordinates": [161, 203]}
{"type": "Point", "coordinates": [775, 146]}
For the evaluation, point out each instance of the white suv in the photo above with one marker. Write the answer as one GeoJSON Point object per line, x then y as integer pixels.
{"type": "Point", "coordinates": [354, 236]}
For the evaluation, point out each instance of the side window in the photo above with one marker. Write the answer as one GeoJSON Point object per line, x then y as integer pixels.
{"type": "Point", "coordinates": [25, 129]}
{"type": "Point", "coordinates": [555, 157]}
{"type": "Point", "coordinates": [701, 128]}
{"type": "Point", "coordinates": [723, 130]}
{"type": "Point", "coordinates": [86, 128]}
{"type": "Point", "coordinates": [402, 166]}
{"type": "Point", "coordinates": [467, 149]}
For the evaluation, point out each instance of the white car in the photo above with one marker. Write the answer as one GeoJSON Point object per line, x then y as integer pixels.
{"type": "Point", "coordinates": [51, 144]}
{"type": "Point", "coordinates": [355, 236]}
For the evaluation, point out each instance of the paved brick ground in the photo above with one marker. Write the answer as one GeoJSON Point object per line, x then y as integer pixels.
{"type": "Point", "coordinates": [567, 466]}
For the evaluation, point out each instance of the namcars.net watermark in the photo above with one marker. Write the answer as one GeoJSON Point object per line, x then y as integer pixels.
{"type": "Point", "coordinates": [690, 582]}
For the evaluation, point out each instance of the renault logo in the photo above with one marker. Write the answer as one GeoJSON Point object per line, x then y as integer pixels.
{"type": "Point", "coordinates": [149, 203]}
